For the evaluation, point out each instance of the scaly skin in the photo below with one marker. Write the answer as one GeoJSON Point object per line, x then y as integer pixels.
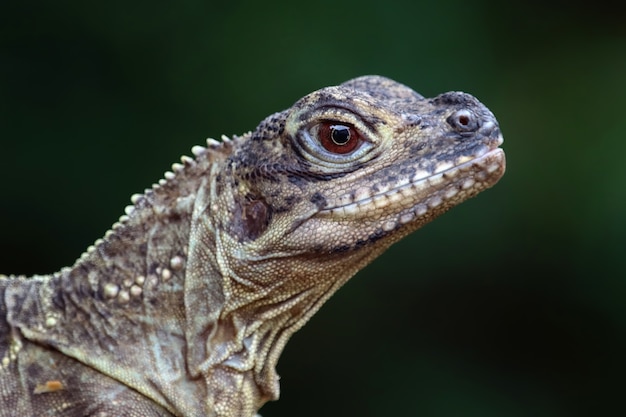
{"type": "Point", "coordinates": [184, 307]}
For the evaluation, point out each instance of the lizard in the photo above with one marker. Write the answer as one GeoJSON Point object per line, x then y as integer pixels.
{"type": "Point", "coordinates": [185, 305]}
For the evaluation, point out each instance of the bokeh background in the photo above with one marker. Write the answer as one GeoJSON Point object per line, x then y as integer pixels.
{"type": "Point", "coordinates": [513, 304]}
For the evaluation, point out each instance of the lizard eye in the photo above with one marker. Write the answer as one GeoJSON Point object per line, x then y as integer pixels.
{"type": "Point", "coordinates": [338, 138]}
{"type": "Point", "coordinates": [333, 142]}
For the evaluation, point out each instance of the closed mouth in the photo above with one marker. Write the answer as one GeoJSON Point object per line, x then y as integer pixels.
{"type": "Point", "coordinates": [482, 170]}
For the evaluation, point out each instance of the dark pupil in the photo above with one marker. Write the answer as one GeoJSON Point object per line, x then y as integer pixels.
{"type": "Point", "coordinates": [340, 134]}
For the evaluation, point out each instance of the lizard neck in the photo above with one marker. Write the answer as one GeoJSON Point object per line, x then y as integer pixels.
{"type": "Point", "coordinates": [120, 308]}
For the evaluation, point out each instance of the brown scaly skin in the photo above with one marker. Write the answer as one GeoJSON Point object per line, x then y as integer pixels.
{"type": "Point", "coordinates": [184, 307]}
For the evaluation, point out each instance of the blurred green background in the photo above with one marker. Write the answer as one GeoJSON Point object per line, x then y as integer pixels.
{"type": "Point", "coordinates": [513, 304]}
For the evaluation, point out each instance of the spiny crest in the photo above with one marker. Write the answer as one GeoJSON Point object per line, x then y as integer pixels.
{"type": "Point", "coordinates": [201, 155]}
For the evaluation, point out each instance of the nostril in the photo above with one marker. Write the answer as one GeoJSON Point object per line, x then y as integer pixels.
{"type": "Point", "coordinates": [463, 120]}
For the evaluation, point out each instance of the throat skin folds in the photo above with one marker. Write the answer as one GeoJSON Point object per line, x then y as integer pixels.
{"type": "Point", "coordinates": [184, 307]}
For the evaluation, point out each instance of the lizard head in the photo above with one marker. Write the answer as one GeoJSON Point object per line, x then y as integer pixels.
{"type": "Point", "coordinates": [350, 169]}
{"type": "Point", "coordinates": [310, 197]}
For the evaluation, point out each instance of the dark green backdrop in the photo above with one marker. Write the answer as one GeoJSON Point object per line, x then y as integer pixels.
{"type": "Point", "coordinates": [513, 304]}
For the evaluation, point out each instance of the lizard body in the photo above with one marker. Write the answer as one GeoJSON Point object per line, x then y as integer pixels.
{"type": "Point", "coordinates": [185, 305]}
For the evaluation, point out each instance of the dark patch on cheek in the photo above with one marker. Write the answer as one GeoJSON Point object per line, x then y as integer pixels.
{"type": "Point", "coordinates": [251, 218]}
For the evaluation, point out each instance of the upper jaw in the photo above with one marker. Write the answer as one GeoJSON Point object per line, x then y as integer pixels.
{"type": "Point", "coordinates": [424, 189]}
